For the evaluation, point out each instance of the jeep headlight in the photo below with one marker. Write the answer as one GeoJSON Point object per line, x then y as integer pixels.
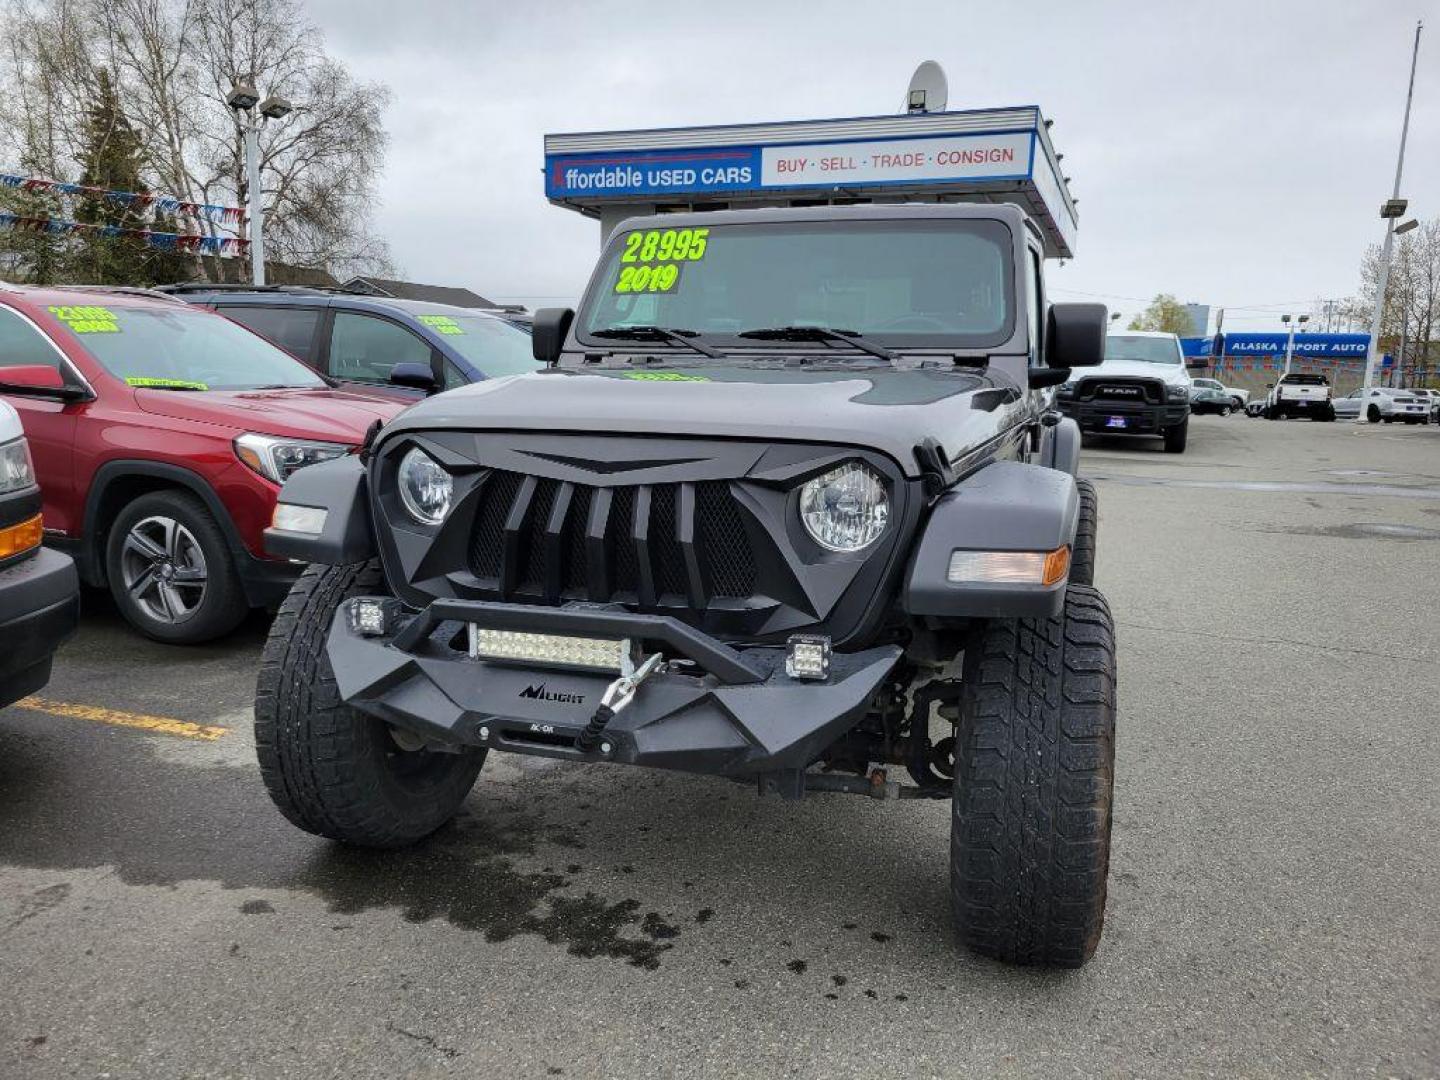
{"type": "Point", "coordinates": [1179, 393]}
{"type": "Point", "coordinates": [846, 509]}
{"type": "Point", "coordinates": [276, 459]}
{"type": "Point", "coordinates": [425, 487]}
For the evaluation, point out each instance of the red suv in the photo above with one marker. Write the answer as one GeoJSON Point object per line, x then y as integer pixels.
{"type": "Point", "coordinates": [161, 434]}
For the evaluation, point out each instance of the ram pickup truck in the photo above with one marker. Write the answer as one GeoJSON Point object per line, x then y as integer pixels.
{"type": "Point", "coordinates": [1142, 388]}
{"type": "Point", "coordinates": [787, 505]}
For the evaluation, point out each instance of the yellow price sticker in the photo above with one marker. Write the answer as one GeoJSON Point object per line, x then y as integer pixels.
{"type": "Point", "coordinates": [182, 384]}
{"type": "Point", "coordinates": [641, 279]}
{"type": "Point", "coordinates": [666, 245]}
{"type": "Point", "coordinates": [442, 324]}
{"type": "Point", "coordinates": [87, 319]}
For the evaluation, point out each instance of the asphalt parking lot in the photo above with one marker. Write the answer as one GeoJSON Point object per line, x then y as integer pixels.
{"type": "Point", "coordinates": [1274, 882]}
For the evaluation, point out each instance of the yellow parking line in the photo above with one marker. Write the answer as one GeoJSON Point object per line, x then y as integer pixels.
{"type": "Point", "coordinates": [162, 725]}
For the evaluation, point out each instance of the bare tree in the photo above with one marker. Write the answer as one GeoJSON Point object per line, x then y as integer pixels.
{"type": "Point", "coordinates": [174, 62]}
{"type": "Point", "coordinates": [1411, 314]}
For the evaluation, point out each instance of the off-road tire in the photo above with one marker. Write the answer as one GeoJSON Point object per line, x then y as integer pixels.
{"type": "Point", "coordinates": [1176, 437]}
{"type": "Point", "coordinates": [1034, 774]}
{"type": "Point", "coordinates": [1082, 554]}
{"type": "Point", "coordinates": [223, 605]}
{"type": "Point", "coordinates": [333, 770]}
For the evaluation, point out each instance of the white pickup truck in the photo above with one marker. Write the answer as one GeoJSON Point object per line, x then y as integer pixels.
{"type": "Point", "coordinates": [1299, 394]}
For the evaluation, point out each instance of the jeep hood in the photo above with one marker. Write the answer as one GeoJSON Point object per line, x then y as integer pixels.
{"type": "Point", "coordinates": [878, 408]}
{"type": "Point", "coordinates": [326, 415]}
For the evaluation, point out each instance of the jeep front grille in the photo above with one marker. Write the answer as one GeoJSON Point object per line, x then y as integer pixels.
{"type": "Point", "coordinates": [674, 544]}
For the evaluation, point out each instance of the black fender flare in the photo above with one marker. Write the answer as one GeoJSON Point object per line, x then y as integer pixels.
{"type": "Point", "coordinates": [340, 488]}
{"type": "Point", "coordinates": [90, 556]}
{"type": "Point", "coordinates": [1004, 506]}
{"type": "Point", "coordinates": [1060, 446]}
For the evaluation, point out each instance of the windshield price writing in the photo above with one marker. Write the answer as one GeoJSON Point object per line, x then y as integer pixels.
{"type": "Point", "coordinates": [87, 319]}
{"type": "Point", "coordinates": [664, 245]}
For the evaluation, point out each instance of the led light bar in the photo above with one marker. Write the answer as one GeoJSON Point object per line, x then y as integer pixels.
{"type": "Point", "coordinates": [299, 519]}
{"type": "Point", "coordinates": [1008, 567]}
{"type": "Point", "coordinates": [558, 650]}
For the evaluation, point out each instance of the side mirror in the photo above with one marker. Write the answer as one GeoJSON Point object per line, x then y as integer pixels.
{"type": "Point", "coordinates": [1041, 377]}
{"type": "Point", "coordinates": [1075, 335]}
{"type": "Point", "coordinates": [38, 380]}
{"type": "Point", "coordinates": [548, 333]}
{"type": "Point", "coordinates": [414, 376]}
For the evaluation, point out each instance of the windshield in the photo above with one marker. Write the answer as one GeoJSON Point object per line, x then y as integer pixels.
{"type": "Point", "coordinates": [495, 347]}
{"type": "Point", "coordinates": [1145, 350]}
{"type": "Point", "coordinates": [934, 283]}
{"type": "Point", "coordinates": [181, 348]}
{"type": "Point", "coordinates": [1304, 380]}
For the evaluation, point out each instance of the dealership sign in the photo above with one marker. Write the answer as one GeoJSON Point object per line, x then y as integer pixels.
{"type": "Point", "coordinates": [975, 155]}
{"type": "Point", "coordinates": [1320, 346]}
{"type": "Point", "coordinates": [927, 160]}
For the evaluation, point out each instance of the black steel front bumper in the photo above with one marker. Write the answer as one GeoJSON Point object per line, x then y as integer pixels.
{"type": "Point", "coordinates": [730, 712]}
{"type": "Point", "coordinates": [1140, 418]}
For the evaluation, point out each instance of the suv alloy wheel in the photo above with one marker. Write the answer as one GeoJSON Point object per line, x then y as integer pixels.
{"type": "Point", "coordinates": [170, 570]}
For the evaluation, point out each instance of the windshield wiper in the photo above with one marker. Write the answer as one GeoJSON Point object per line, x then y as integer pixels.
{"type": "Point", "coordinates": [819, 333]}
{"type": "Point", "coordinates": [659, 333]}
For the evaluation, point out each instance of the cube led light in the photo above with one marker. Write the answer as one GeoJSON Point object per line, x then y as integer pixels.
{"type": "Point", "coordinates": [807, 657]}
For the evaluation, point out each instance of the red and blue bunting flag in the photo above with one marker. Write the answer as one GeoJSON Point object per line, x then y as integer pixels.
{"type": "Point", "coordinates": [229, 215]}
{"type": "Point", "coordinates": [164, 241]}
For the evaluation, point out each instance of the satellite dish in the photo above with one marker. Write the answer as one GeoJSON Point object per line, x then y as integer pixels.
{"type": "Point", "coordinates": [928, 91]}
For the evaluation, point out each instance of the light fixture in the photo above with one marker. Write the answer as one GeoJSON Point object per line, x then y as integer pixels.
{"type": "Point", "coordinates": [299, 519]}
{"type": "Point", "coordinates": [1404, 227]}
{"type": "Point", "coordinates": [274, 107]}
{"type": "Point", "coordinates": [1393, 208]}
{"type": "Point", "coordinates": [242, 96]}
{"type": "Point", "coordinates": [372, 616]}
{"type": "Point", "coordinates": [552, 650]}
{"type": "Point", "coordinates": [1042, 568]}
{"type": "Point", "coordinates": [807, 657]}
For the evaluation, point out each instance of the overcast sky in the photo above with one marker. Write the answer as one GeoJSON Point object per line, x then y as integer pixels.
{"type": "Point", "coordinates": [1231, 153]}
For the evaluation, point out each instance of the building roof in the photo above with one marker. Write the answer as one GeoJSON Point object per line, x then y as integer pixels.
{"type": "Point", "coordinates": [409, 290]}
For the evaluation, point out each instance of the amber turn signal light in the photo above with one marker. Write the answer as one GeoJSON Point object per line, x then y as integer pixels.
{"type": "Point", "coordinates": [18, 539]}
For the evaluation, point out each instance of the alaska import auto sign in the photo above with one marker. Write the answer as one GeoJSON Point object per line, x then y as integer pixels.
{"type": "Point", "coordinates": [932, 159]}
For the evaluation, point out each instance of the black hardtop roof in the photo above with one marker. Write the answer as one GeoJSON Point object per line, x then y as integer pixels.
{"type": "Point", "coordinates": [1007, 212]}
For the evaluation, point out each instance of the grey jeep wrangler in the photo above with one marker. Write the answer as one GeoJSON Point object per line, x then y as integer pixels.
{"type": "Point", "coordinates": [788, 504]}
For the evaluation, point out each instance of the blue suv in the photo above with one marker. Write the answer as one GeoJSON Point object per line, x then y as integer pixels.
{"type": "Point", "coordinates": [405, 348]}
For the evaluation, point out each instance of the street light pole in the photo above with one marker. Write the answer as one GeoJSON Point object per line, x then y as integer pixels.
{"type": "Point", "coordinates": [1392, 210]}
{"type": "Point", "coordinates": [257, 208]}
{"type": "Point", "coordinates": [243, 101]}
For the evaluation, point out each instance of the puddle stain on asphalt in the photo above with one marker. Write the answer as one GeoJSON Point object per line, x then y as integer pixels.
{"type": "Point", "coordinates": [1389, 491]}
{"type": "Point", "coordinates": [467, 874]}
{"type": "Point", "coordinates": [1360, 530]}
{"type": "Point", "coordinates": [39, 902]}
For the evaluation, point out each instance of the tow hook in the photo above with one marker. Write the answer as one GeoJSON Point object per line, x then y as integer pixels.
{"type": "Point", "coordinates": [618, 695]}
